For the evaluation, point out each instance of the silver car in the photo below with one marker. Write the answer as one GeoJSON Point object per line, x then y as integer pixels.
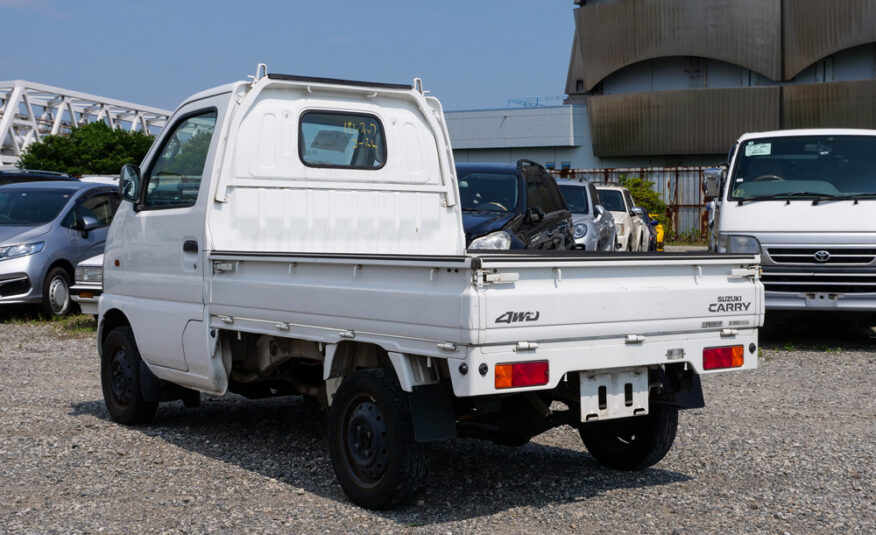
{"type": "Point", "coordinates": [594, 225]}
{"type": "Point", "coordinates": [47, 228]}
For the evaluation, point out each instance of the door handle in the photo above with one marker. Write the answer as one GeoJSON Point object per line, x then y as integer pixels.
{"type": "Point", "coordinates": [190, 246]}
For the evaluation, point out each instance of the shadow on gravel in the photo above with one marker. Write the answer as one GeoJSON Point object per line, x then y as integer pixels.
{"type": "Point", "coordinates": [819, 331]}
{"type": "Point", "coordinates": [285, 439]}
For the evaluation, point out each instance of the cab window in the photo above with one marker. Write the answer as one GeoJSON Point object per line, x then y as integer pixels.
{"type": "Point", "coordinates": [341, 140]}
{"type": "Point", "coordinates": [175, 176]}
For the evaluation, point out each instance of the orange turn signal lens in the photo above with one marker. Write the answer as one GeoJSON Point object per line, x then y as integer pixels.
{"type": "Point", "coordinates": [86, 295]}
{"type": "Point", "coordinates": [522, 374]}
{"type": "Point", "coordinates": [716, 358]}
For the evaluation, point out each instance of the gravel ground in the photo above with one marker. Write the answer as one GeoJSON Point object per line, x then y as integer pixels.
{"type": "Point", "coordinates": [788, 448]}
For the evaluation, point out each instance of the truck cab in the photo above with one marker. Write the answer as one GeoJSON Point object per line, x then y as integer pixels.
{"type": "Point", "coordinates": [806, 201]}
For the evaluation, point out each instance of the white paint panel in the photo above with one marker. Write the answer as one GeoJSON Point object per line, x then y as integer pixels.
{"type": "Point", "coordinates": [335, 221]}
{"type": "Point", "coordinates": [267, 143]}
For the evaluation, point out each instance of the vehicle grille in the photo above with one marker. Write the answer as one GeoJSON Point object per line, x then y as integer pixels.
{"type": "Point", "coordinates": [807, 255]}
{"type": "Point", "coordinates": [15, 286]}
{"type": "Point", "coordinates": [845, 283]}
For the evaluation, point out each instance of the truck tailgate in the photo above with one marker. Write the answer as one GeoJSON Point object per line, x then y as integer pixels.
{"type": "Point", "coordinates": [530, 298]}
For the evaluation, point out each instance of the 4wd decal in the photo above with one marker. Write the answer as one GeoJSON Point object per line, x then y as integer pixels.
{"type": "Point", "coordinates": [729, 303]}
{"type": "Point", "coordinates": [514, 317]}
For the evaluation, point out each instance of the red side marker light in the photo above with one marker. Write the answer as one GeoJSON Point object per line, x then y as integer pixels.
{"type": "Point", "coordinates": [522, 374]}
{"type": "Point", "coordinates": [716, 358]}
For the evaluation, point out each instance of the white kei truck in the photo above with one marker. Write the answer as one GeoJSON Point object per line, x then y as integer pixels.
{"type": "Point", "coordinates": [293, 235]}
{"type": "Point", "coordinates": [806, 201]}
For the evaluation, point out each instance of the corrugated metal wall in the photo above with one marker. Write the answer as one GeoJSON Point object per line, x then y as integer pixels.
{"type": "Point", "coordinates": [679, 187]}
{"type": "Point", "coordinates": [616, 34]}
{"type": "Point", "coordinates": [833, 105]}
{"type": "Point", "coordinates": [815, 29]}
{"type": "Point", "coordinates": [697, 121]}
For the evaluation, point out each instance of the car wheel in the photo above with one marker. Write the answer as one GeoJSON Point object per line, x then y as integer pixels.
{"type": "Point", "coordinates": [632, 443]}
{"type": "Point", "coordinates": [56, 293]}
{"type": "Point", "coordinates": [120, 379]}
{"type": "Point", "coordinates": [374, 454]}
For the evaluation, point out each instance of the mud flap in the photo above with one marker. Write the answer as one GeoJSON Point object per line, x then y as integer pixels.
{"type": "Point", "coordinates": [689, 394]}
{"type": "Point", "coordinates": [432, 413]}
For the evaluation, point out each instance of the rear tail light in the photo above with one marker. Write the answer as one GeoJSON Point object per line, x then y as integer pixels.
{"type": "Point", "coordinates": [522, 374]}
{"type": "Point", "coordinates": [716, 358]}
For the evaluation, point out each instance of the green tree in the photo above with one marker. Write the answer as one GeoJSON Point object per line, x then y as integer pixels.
{"type": "Point", "coordinates": [92, 149]}
{"type": "Point", "coordinates": [645, 196]}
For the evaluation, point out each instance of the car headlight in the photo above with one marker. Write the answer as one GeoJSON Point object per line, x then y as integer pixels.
{"type": "Point", "coordinates": [89, 274]}
{"type": "Point", "coordinates": [22, 249]}
{"type": "Point", "coordinates": [729, 243]}
{"type": "Point", "coordinates": [496, 240]}
{"type": "Point", "coordinates": [580, 231]}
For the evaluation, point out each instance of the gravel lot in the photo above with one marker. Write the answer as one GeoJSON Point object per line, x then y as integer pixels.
{"type": "Point", "coordinates": [790, 448]}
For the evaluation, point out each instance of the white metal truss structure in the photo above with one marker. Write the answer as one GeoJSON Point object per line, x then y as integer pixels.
{"type": "Point", "coordinates": [29, 111]}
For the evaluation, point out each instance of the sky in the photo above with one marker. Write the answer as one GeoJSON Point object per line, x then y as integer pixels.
{"type": "Point", "coordinates": [471, 54]}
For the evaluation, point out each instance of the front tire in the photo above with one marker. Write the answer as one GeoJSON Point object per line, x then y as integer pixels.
{"type": "Point", "coordinates": [376, 459]}
{"type": "Point", "coordinates": [120, 379]}
{"type": "Point", "coordinates": [632, 443]}
{"type": "Point", "coordinates": [56, 293]}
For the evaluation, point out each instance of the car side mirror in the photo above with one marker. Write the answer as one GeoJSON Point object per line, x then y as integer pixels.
{"type": "Point", "coordinates": [129, 183]}
{"type": "Point", "coordinates": [712, 182]}
{"type": "Point", "coordinates": [599, 211]}
{"type": "Point", "coordinates": [87, 224]}
{"type": "Point", "coordinates": [534, 214]}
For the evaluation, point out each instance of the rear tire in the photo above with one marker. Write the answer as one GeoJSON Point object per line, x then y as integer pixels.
{"type": "Point", "coordinates": [56, 293]}
{"type": "Point", "coordinates": [120, 379]}
{"type": "Point", "coordinates": [376, 459]}
{"type": "Point", "coordinates": [632, 443]}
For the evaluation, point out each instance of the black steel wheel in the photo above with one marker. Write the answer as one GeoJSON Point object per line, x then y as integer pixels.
{"type": "Point", "coordinates": [120, 379]}
{"type": "Point", "coordinates": [376, 459]}
{"type": "Point", "coordinates": [632, 443]}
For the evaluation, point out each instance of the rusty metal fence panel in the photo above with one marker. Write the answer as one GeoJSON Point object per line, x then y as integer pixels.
{"type": "Point", "coordinates": [679, 187]}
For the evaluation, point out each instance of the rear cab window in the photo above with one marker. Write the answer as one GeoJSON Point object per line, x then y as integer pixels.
{"type": "Point", "coordinates": [342, 140]}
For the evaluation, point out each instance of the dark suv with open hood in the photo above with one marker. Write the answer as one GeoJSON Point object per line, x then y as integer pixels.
{"type": "Point", "coordinates": [513, 206]}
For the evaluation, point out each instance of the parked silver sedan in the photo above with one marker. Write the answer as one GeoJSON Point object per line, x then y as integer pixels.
{"type": "Point", "coordinates": [594, 225]}
{"type": "Point", "coordinates": [47, 228]}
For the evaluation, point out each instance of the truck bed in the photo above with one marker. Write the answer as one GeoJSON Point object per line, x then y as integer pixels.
{"type": "Point", "coordinates": [634, 308]}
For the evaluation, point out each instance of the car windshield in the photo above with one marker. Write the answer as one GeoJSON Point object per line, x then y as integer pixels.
{"type": "Point", "coordinates": [19, 206]}
{"type": "Point", "coordinates": [804, 166]}
{"type": "Point", "coordinates": [576, 198]}
{"type": "Point", "coordinates": [612, 200]}
{"type": "Point", "coordinates": [488, 192]}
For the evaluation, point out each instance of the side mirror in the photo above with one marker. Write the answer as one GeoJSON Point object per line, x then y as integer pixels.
{"type": "Point", "coordinates": [129, 183]}
{"type": "Point", "coordinates": [712, 182]}
{"type": "Point", "coordinates": [534, 214]}
{"type": "Point", "coordinates": [599, 211]}
{"type": "Point", "coordinates": [87, 224]}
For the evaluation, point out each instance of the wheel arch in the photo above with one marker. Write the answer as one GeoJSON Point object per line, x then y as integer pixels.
{"type": "Point", "coordinates": [66, 264]}
{"type": "Point", "coordinates": [111, 320]}
{"type": "Point", "coordinates": [350, 356]}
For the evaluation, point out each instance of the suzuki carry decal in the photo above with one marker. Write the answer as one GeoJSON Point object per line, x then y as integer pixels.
{"type": "Point", "coordinates": [514, 317]}
{"type": "Point", "coordinates": [729, 303]}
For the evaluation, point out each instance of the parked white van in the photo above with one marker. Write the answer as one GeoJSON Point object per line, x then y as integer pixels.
{"type": "Point", "coordinates": [805, 200]}
{"type": "Point", "coordinates": [304, 235]}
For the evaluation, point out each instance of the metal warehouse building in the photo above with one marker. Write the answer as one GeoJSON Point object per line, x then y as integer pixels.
{"type": "Point", "coordinates": [675, 82]}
